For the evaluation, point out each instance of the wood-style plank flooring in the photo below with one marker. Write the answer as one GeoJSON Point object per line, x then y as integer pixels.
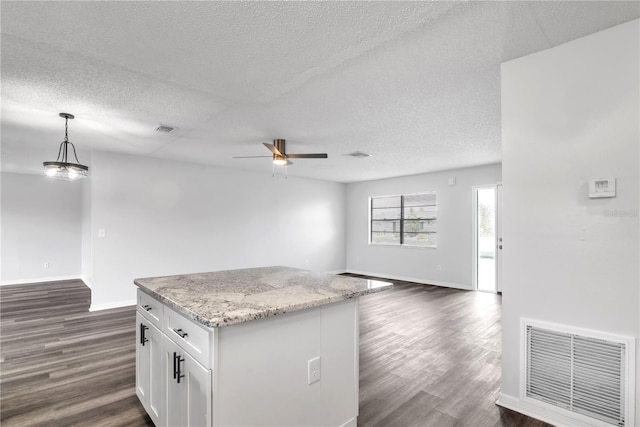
{"type": "Point", "coordinates": [62, 365]}
{"type": "Point", "coordinates": [429, 356]}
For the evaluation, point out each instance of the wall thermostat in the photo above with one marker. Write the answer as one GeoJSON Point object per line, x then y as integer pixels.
{"type": "Point", "coordinates": [602, 187]}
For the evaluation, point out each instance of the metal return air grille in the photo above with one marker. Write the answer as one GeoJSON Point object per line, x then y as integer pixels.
{"type": "Point", "coordinates": [581, 374]}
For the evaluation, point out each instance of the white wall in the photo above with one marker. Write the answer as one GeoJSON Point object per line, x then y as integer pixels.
{"type": "Point", "coordinates": [455, 228]}
{"type": "Point", "coordinates": [571, 114]}
{"type": "Point", "coordinates": [163, 217]}
{"type": "Point", "coordinates": [40, 223]}
{"type": "Point", "coordinates": [87, 267]}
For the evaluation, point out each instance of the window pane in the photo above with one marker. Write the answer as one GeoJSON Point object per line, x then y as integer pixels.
{"type": "Point", "coordinates": [426, 199]}
{"type": "Point", "coordinates": [385, 202]}
{"type": "Point", "coordinates": [419, 226]}
{"type": "Point", "coordinates": [419, 219]}
{"type": "Point", "coordinates": [385, 213]}
{"type": "Point", "coordinates": [386, 226]}
{"type": "Point", "coordinates": [420, 212]}
{"type": "Point", "coordinates": [385, 219]}
{"type": "Point", "coordinates": [381, 237]}
{"type": "Point", "coordinates": [416, 213]}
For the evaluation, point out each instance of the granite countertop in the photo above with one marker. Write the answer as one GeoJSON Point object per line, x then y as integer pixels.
{"type": "Point", "coordinates": [224, 298]}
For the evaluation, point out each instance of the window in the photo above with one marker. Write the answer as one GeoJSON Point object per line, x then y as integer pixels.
{"type": "Point", "coordinates": [404, 220]}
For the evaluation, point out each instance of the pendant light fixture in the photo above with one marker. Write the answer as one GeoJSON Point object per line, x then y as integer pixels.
{"type": "Point", "coordinates": [61, 169]}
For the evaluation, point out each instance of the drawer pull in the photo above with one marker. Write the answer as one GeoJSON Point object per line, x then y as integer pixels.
{"type": "Point", "coordinates": [180, 332]}
{"type": "Point", "coordinates": [147, 307]}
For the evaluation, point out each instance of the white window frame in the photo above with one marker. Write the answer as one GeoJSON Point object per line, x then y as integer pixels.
{"type": "Point", "coordinates": [402, 219]}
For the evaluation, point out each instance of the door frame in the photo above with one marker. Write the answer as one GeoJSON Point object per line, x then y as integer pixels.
{"type": "Point", "coordinates": [474, 219]}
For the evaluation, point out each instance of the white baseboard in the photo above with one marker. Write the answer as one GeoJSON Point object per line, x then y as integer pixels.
{"type": "Point", "coordinates": [337, 271]}
{"type": "Point", "coordinates": [86, 281]}
{"type": "Point", "coordinates": [543, 414]}
{"type": "Point", "coordinates": [39, 280]}
{"type": "Point", "coordinates": [353, 422]}
{"type": "Point", "coordinates": [412, 279]}
{"type": "Point", "coordinates": [117, 304]}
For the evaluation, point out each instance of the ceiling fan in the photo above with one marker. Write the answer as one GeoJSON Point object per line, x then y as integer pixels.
{"type": "Point", "coordinates": [280, 156]}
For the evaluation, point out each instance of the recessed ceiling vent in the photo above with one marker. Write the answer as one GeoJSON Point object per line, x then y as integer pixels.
{"type": "Point", "coordinates": [359, 154]}
{"type": "Point", "coordinates": [164, 129]}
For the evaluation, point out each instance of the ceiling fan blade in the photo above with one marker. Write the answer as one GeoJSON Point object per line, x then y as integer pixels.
{"type": "Point", "coordinates": [273, 149]}
{"type": "Point", "coordinates": [248, 157]}
{"type": "Point", "coordinates": [308, 156]}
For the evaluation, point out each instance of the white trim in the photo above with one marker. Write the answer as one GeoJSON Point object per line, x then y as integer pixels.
{"type": "Point", "coordinates": [86, 281]}
{"type": "Point", "coordinates": [475, 188]}
{"type": "Point", "coordinates": [39, 280]}
{"type": "Point", "coordinates": [353, 422]}
{"type": "Point", "coordinates": [412, 279]}
{"type": "Point", "coordinates": [337, 271]}
{"type": "Point", "coordinates": [117, 304]}
{"type": "Point", "coordinates": [474, 234]}
{"type": "Point", "coordinates": [579, 420]}
{"type": "Point", "coordinates": [402, 195]}
{"type": "Point", "coordinates": [545, 414]}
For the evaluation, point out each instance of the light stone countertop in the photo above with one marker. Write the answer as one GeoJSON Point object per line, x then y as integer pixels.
{"type": "Point", "coordinates": [224, 298]}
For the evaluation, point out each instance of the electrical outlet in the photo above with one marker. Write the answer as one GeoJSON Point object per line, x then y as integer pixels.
{"type": "Point", "coordinates": [306, 262]}
{"type": "Point", "coordinates": [314, 370]}
{"type": "Point", "coordinates": [46, 264]}
{"type": "Point", "coordinates": [439, 268]}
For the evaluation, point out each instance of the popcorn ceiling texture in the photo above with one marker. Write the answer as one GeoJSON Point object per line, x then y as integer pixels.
{"type": "Point", "coordinates": [417, 84]}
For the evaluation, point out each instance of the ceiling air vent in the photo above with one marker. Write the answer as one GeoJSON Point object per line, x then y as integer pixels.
{"type": "Point", "coordinates": [359, 154]}
{"type": "Point", "coordinates": [164, 129]}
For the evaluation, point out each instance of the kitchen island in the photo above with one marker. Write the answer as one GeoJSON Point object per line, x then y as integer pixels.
{"type": "Point", "coordinates": [262, 346]}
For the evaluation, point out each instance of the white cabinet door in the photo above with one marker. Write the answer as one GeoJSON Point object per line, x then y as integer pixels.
{"type": "Point", "coordinates": [188, 388]}
{"type": "Point", "coordinates": [149, 367]}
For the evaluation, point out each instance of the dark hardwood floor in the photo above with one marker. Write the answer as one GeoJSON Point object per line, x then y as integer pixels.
{"type": "Point", "coordinates": [62, 365]}
{"type": "Point", "coordinates": [429, 356]}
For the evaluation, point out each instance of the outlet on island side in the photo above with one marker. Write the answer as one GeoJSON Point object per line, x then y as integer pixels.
{"type": "Point", "coordinates": [313, 370]}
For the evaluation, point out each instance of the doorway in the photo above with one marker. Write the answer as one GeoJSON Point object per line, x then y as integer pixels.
{"type": "Point", "coordinates": [487, 238]}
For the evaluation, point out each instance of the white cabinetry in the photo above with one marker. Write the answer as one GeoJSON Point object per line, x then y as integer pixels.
{"type": "Point", "coordinates": [171, 382]}
{"type": "Point", "coordinates": [149, 367]}
{"type": "Point", "coordinates": [248, 374]}
{"type": "Point", "coordinates": [188, 388]}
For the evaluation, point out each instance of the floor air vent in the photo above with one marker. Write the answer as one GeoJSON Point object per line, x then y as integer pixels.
{"type": "Point", "coordinates": [579, 373]}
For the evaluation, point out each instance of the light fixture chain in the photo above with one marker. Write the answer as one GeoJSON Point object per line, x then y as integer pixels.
{"type": "Point", "coordinates": [66, 127]}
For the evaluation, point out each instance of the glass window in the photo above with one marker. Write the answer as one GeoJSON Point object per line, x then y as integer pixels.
{"type": "Point", "coordinates": [404, 220]}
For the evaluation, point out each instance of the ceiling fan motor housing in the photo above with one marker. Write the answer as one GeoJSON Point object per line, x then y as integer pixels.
{"type": "Point", "coordinates": [279, 144]}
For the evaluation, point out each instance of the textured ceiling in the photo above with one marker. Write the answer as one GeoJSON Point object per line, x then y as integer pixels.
{"type": "Point", "coordinates": [416, 84]}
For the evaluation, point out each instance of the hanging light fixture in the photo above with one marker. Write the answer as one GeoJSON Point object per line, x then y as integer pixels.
{"type": "Point", "coordinates": [61, 169]}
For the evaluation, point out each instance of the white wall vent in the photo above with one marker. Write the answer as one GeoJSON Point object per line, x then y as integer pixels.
{"type": "Point", "coordinates": [584, 372]}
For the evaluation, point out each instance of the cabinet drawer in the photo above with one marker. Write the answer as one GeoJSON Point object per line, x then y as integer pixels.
{"type": "Point", "coordinates": [150, 308]}
{"type": "Point", "coordinates": [193, 338]}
